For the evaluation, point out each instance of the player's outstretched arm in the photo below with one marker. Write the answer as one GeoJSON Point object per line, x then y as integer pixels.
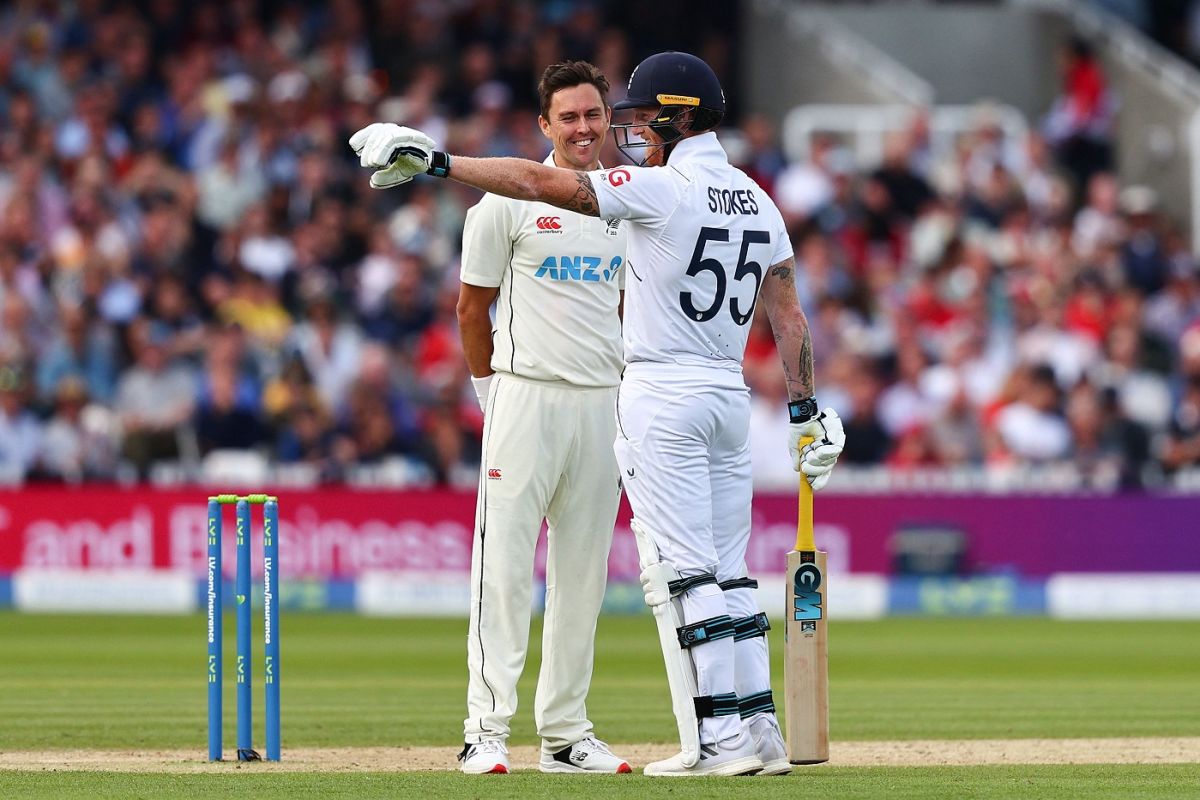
{"type": "Point", "coordinates": [528, 180]}
{"type": "Point", "coordinates": [822, 430]}
{"type": "Point", "coordinates": [398, 154]}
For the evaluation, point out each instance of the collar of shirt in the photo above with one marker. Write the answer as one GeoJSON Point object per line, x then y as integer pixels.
{"type": "Point", "coordinates": [549, 161]}
{"type": "Point", "coordinates": [704, 147]}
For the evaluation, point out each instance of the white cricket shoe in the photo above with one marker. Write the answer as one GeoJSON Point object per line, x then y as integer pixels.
{"type": "Point", "coordinates": [768, 743]}
{"type": "Point", "coordinates": [735, 756]}
{"type": "Point", "coordinates": [587, 755]}
{"type": "Point", "coordinates": [488, 757]}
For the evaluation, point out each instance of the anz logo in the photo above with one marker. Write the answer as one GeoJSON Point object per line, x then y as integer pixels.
{"type": "Point", "coordinates": [578, 268]}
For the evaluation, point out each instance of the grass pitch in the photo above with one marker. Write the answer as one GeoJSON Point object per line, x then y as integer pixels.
{"type": "Point", "coordinates": [137, 683]}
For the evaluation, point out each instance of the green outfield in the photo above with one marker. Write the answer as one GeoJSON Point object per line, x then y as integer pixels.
{"type": "Point", "coordinates": [134, 684]}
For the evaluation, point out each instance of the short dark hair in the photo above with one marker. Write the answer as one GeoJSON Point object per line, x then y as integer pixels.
{"type": "Point", "coordinates": [566, 74]}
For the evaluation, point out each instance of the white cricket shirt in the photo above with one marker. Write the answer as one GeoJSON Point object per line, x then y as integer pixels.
{"type": "Point", "coordinates": [702, 237]}
{"type": "Point", "coordinates": [560, 276]}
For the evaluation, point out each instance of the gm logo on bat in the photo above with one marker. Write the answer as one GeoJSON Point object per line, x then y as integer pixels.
{"type": "Point", "coordinates": [806, 608]}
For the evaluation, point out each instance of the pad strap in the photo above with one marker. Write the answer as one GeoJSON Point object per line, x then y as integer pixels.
{"type": "Point", "coordinates": [681, 585]}
{"type": "Point", "coordinates": [718, 705]}
{"type": "Point", "coordinates": [757, 703]}
{"type": "Point", "coordinates": [738, 583]}
{"type": "Point", "coordinates": [708, 630]}
{"type": "Point", "coordinates": [750, 627]}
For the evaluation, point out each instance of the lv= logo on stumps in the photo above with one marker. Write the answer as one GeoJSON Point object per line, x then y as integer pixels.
{"type": "Point", "coordinates": [243, 594]}
{"type": "Point", "coordinates": [806, 660]}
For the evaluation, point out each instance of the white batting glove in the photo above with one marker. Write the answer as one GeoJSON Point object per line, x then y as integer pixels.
{"type": "Point", "coordinates": [483, 387]}
{"type": "Point", "coordinates": [396, 153]}
{"type": "Point", "coordinates": [817, 459]}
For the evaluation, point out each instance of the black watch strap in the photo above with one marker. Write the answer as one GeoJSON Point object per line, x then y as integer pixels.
{"type": "Point", "coordinates": [439, 164]}
{"type": "Point", "coordinates": [802, 410]}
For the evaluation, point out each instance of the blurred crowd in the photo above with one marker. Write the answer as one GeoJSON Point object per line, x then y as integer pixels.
{"type": "Point", "coordinates": [196, 280]}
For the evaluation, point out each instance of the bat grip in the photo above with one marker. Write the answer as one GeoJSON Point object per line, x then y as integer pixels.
{"type": "Point", "coordinates": [804, 519]}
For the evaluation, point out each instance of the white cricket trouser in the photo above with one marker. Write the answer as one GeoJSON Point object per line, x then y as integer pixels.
{"type": "Point", "coordinates": [683, 448]}
{"type": "Point", "coordinates": [547, 453]}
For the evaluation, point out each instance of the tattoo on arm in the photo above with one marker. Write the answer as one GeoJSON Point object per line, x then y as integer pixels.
{"type": "Point", "coordinates": [793, 338]}
{"type": "Point", "coordinates": [798, 368]}
{"type": "Point", "coordinates": [584, 200]}
{"type": "Point", "coordinates": [805, 377]}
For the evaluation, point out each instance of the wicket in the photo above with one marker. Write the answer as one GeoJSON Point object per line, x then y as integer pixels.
{"type": "Point", "coordinates": [270, 527]}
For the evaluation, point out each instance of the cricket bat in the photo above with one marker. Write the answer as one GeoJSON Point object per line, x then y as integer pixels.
{"type": "Point", "coordinates": [806, 657]}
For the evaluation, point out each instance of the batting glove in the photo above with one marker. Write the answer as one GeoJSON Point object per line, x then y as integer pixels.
{"type": "Point", "coordinates": [396, 153]}
{"type": "Point", "coordinates": [817, 458]}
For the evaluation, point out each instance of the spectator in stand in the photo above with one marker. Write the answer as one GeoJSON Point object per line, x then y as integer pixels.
{"type": "Point", "coordinates": [155, 399]}
{"type": "Point", "coordinates": [803, 189]}
{"type": "Point", "coordinates": [367, 435]}
{"type": "Point", "coordinates": [227, 415]}
{"type": "Point", "coordinates": [20, 430]}
{"type": "Point", "coordinates": [1143, 393]}
{"type": "Point", "coordinates": [79, 442]}
{"type": "Point", "coordinates": [1168, 313]}
{"type": "Point", "coordinates": [875, 228]}
{"type": "Point", "coordinates": [79, 347]}
{"type": "Point", "coordinates": [454, 446]}
{"type": "Point", "coordinates": [1045, 339]}
{"type": "Point", "coordinates": [306, 439]}
{"type": "Point", "coordinates": [1129, 439]}
{"type": "Point", "coordinates": [1098, 224]}
{"type": "Point", "coordinates": [903, 405]}
{"type": "Point", "coordinates": [955, 434]}
{"type": "Point", "coordinates": [763, 160]}
{"type": "Point", "coordinates": [330, 347]}
{"type": "Point", "coordinates": [820, 273]}
{"type": "Point", "coordinates": [406, 308]}
{"type": "Point", "coordinates": [908, 190]}
{"type": "Point", "coordinates": [170, 304]}
{"type": "Point", "coordinates": [1046, 189]}
{"type": "Point", "coordinates": [871, 442]}
{"type": "Point", "coordinates": [1079, 125]}
{"type": "Point", "coordinates": [228, 188]}
{"type": "Point", "coordinates": [1143, 256]}
{"type": "Point", "coordinates": [1032, 428]}
{"type": "Point", "coordinates": [1180, 448]}
{"type": "Point", "coordinates": [994, 198]}
{"type": "Point", "coordinates": [253, 305]}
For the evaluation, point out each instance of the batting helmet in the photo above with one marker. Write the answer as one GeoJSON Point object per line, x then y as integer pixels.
{"type": "Point", "coordinates": [676, 84]}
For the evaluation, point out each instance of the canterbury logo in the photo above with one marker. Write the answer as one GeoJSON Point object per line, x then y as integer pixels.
{"type": "Point", "coordinates": [493, 474]}
{"type": "Point", "coordinates": [549, 223]}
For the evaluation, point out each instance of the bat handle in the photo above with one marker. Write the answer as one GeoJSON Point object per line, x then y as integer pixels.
{"type": "Point", "coordinates": [804, 519]}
